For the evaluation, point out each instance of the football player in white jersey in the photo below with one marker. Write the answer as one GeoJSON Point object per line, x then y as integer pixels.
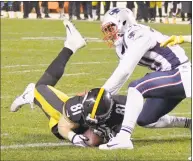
{"type": "Point", "coordinates": [163, 89]}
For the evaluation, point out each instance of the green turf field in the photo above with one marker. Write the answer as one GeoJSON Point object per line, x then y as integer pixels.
{"type": "Point", "coordinates": [27, 48]}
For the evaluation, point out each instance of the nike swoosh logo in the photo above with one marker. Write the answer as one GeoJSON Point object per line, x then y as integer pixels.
{"type": "Point", "coordinates": [68, 28]}
{"type": "Point", "coordinates": [111, 145]}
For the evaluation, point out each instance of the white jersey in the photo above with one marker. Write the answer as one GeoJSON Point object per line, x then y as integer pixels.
{"type": "Point", "coordinates": [156, 58]}
{"type": "Point", "coordinates": [141, 45]}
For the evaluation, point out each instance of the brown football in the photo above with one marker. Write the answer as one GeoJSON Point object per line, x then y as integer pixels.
{"type": "Point", "coordinates": [94, 139]}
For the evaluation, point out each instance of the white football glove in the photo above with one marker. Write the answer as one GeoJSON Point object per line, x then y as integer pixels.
{"type": "Point", "coordinates": [79, 140]}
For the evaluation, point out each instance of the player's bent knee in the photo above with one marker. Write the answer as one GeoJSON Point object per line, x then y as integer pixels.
{"type": "Point", "coordinates": [40, 87]}
{"type": "Point", "coordinates": [141, 121]}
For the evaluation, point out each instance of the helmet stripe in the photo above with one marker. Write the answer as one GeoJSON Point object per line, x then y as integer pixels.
{"type": "Point", "coordinates": [97, 103]}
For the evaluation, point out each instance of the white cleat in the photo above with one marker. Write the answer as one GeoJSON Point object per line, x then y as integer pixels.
{"type": "Point", "coordinates": [117, 142]}
{"type": "Point", "coordinates": [74, 39]}
{"type": "Point", "coordinates": [27, 97]}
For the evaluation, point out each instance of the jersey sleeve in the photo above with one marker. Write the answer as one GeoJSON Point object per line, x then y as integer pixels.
{"type": "Point", "coordinates": [137, 43]}
{"type": "Point", "coordinates": [71, 118]}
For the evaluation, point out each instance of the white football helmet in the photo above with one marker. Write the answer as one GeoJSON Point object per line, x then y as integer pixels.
{"type": "Point", "coordinates": [115, 23]}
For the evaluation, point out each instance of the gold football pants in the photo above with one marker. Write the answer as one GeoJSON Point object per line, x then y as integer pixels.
{"type": "Point", "coordinates": [51, 101]}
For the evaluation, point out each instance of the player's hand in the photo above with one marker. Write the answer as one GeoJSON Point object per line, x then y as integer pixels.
{"type": "Point", "coordinates": [172, 40]}
{"type": "Point", "coordinates": [79, 140]}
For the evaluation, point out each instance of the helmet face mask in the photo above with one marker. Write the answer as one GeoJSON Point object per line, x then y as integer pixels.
{"type": "Point", "coordinates": [110, 31]}
{"type": "Point", "coordinates": [97, 107]}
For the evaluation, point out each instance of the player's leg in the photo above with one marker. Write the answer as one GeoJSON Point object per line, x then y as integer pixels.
{"type": "Point", "coordinates": [154, 85]}
{"type": "Point", "coordinates": [153, 114]}
{"type": "Point", "coordinates": [51, 101]}
{"type": "Point", "coordinates": [54, 72]}
{"type": "Point", "coordinates": [159, 5]}
{"type": "Point", "coordinates": [152, 5]}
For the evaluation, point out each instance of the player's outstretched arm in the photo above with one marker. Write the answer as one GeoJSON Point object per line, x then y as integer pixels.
{"type": "Point", "coordinates": [138, 43]}
{"type": "Point", "coordinates": [173, 40]}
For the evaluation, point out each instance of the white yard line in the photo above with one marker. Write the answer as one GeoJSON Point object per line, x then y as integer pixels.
{"type": "Point", "coordinates": [4, 134]}
{"type": "Point", "coordinates": [89, 39]}
{"type": "Point", "coordinates": [168, 136]}
{"type": "Point", "coordinates": [94, 62]}
{"type": "Point", "coordinates": [75, 63]}
{"type": "Point", "coordinates": [19, 146]}
{"type": "Point", "coordinates": [33, 145]}
{"type": "Point", "coordinates": [20, 65]}
{"type": "Point", "coordinates": [94, 49]}
{"type": "Point", "coordinates": [180, 113]}
{"type": "Point", "coordinates": [39, 70]}
{"type": "Point", "coordinates": [25, 71]}
{"type": "Point", "coordinates": [75, 74]}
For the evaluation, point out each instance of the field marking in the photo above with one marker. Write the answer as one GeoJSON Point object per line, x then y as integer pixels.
{"type": "Point", "coordinates": [40, 70]}
{"type": "Point", "coordinates": [89, 39]}
{"type": "Point", "coordinates": [178, 113]}
{"type": "Point", "coordinates": [19, 146]}
{"type": "Point", "coordinates": [4, 134]}
{"type": "Point", "coordinates": [75, 63]}
{"type": "Point", "coordinates": [94, 49]}
{"type": "Point", "coordinates": [166, 136]}
{"type": "Point", "coordinates": [33, 145]}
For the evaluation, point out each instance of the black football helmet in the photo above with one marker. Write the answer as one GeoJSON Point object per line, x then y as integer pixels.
{"type": "Point", "coordinates": [97, 106]}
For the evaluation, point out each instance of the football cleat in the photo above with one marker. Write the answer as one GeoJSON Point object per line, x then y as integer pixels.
{"type": "Point", "coordinates": [117, 142]}
{"type": "Point", "coordinates": [74, 39]}
{"type": "Point", "coordinates": [27, 97]}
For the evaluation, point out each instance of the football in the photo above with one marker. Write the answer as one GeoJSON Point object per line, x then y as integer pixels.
{"type": "Point", "coordinates": [94, 139]}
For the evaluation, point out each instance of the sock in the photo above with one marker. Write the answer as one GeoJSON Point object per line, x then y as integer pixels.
{"type": "Point", "coordinates": [179, 6]}
{"type": "Point", "coordinates": [56, 69]}
{"type": "Point", "coordinates": [133, 108]}
{"type": "Point", "coordinates": [171, 121]}
{"type": "Point", "coordinates": [94, 13]}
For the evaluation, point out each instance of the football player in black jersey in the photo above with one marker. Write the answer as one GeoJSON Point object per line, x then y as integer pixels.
{"type": "Point", "coordinates": [69, 117]}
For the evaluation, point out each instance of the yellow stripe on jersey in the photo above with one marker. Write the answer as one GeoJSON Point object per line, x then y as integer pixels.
{"type": "Point", "coordinates": [52, 122]}
{"type": "Point", "coordinates": [51, 111]}
{"type": "Point", "coordinates": [97, 103]}
{"type": "Point", "coordinates": [63, 97]}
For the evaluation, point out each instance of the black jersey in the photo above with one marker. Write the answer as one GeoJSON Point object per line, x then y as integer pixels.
{"type": "Point", "coordinates": [117, 113]}
{"type": "Point", "coordinates": [73, 111]}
